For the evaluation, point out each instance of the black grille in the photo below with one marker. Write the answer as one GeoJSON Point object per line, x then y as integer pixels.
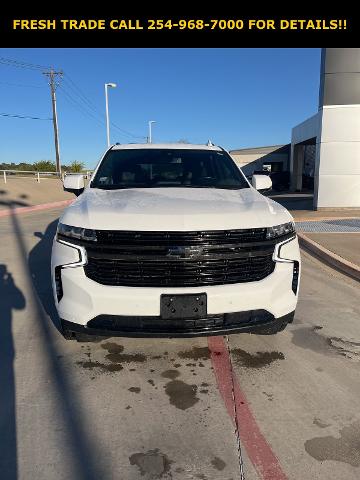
{"type": "Point", "coordinates": [176, 259]}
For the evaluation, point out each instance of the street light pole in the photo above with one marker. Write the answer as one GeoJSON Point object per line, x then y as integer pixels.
{"type": "Point", "coordinates": [111, 85]}
{"type": "Point", "coordinates": [150, 132]}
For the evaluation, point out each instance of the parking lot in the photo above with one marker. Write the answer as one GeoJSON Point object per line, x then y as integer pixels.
{"type": "Point", "coordinates": [265, 407]}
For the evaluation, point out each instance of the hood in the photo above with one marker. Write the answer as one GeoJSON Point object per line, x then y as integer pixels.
{"type": "Point", "coordinates": [177, 209]}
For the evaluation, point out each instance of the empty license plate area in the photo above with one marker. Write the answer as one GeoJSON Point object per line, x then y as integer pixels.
{"type": "Point", "coordinates": [183, 306]}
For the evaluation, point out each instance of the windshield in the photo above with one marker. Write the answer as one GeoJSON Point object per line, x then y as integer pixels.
{"type": "Point", "coordinates": [146, 168]}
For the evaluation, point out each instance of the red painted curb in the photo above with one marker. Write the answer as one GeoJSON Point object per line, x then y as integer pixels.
{"type": "Point", "coordinates": [34, 208]}
{"type": "Point", "coordinates": [256, 446]}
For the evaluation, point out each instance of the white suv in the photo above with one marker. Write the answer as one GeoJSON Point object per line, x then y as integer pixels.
{"type": "Point", "coordinates": [172, 240]}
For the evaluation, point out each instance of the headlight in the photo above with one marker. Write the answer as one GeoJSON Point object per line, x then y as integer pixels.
{"type": "Point", "coordinates": [280, 230]}
{"type": "Point", "coordinates": [76, 232]}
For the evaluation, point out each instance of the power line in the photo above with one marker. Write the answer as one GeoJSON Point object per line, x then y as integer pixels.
{"type": "Point", "coordinates": [14, 115]}
{"type": "Point", "coordinates": [82, 107]}
{"type": "Point", "coordinates": [78, 106]}
{"type": "Point", "coordinates": [86, 103]}
{"type": "Point", "coordinates": [72, 85]}
{"type": "Point", "coordinates": [20, 85]}
{"type": "Point", "coordinates": [9, 62]}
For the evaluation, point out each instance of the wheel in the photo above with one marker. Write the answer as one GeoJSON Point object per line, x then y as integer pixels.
{"type": "Point", "coordinates": [66, 333]}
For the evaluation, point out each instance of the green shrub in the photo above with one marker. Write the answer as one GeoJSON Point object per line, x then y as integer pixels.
{"type": "Point", "coordinates": [76, 166]}
{"type": "Point", "coordinates": [45, 166]}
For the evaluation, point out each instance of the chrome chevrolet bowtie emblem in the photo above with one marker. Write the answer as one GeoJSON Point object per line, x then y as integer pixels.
{"type": "Point", "coordinates": [184, 252]}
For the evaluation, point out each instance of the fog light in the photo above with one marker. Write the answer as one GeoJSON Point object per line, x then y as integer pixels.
{"type": "Point", "coordinates": [58, 283]}
{"type": "Point", "coordinates": [295, 280]}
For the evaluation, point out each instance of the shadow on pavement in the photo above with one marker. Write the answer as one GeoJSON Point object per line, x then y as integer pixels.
{"type": "Point", "coordinates": [40, 270]}
{"type": "Point", "coordinates": [84, 451]}
{"type": "Point", "coordinates": [11, 298]}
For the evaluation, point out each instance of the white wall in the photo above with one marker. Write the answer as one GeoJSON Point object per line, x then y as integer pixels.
{"type": "Point", "coordinates": [338, 159]}
{"type": "Point", "coordinates": [309, 128]}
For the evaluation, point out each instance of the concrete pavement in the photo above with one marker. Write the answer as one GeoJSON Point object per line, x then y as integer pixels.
{"type": "Point", "coordinates": [347, 245]}
{"type": "Point", "coordinates": [147, 409]}
{"type": "Point", "coordinates": [24, 192]}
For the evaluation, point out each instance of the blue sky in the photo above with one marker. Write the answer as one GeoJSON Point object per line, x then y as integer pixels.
{"type": "Point", "coordinates": [236, 97]}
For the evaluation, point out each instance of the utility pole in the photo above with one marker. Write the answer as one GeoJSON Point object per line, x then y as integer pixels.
{"type": "Point", "coordinates": [52, 74]}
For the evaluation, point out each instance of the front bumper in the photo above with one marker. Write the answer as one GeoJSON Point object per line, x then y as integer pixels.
{"type": "Point", "coordinates": [146, 326]}
{"type": "Point", "coordinates": [136, 310]}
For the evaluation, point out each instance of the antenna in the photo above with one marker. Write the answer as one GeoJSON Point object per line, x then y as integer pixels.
{"type": "Point", "coordinates": [209, 143]}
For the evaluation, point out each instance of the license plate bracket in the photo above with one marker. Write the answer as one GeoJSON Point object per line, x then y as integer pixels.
{"type": "Point", "coordinates": [186, 306]}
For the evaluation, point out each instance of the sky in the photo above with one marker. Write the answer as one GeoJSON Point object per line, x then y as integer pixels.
{"type": "Point", "coordinates": [237, 98]}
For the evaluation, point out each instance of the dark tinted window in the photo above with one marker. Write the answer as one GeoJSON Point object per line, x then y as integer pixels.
{"type": "Point", "coordinates": [141, 168]}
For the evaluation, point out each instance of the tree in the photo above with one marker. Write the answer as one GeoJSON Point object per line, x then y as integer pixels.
{"type": "Point", "coordinates": [45, 166]}
{"type": "Point", "coordinates": [76, 166]}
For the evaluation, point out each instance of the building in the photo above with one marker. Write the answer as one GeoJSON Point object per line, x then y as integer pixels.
{"type": "Point", "coordinates": [334, 134]}
{"type": "Point", "coordinates": [275, 158]}
{"type": "Point", "coordinates": [324, 155]}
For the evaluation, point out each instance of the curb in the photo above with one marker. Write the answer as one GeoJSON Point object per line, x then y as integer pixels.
{"type": "Point", "coordinates": [34, 208]}
{"type": "Point", "coordinates": [344, 266]}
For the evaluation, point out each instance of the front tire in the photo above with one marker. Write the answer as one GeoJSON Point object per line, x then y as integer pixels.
{"type": "Point", "coordinates": [66, 333]}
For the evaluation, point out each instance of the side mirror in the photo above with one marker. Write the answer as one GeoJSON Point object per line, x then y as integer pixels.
{"type": "Point", "coordinates": [74, 184]}
{"type": "Point", "coordinates": [261, 182]}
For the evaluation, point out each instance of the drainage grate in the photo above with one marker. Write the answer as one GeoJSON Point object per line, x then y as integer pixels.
{"type": "Point", "coordinates": [351, 225]}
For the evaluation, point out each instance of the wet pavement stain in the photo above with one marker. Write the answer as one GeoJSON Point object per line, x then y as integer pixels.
{"type": "Point", "coordinates": [255, 360]}
{"type": "Point", "coordinates": [152, 464]}
{"type": "Point", "coordinates": [105, 367]}
{"type": "Point", "coordinates": [182, 395]}
{"type": "Point", "coordinates": [345, 449]}
{"type": "Point", "coordinates": [134, 389]}
{"type": "Point", "coordinates": [269, 396]}
{"type": "Point", "coordinates": [218, 463]}
{"type": "Point", "coordinates": [196, 353]}
{"type": "Point", "coordinates": [112, 347]}
{"type": "Point", "coordinates": [116, 354]}
{"type": "Point", "coordinates": [319, 423]}
{"type": "Point", "coordinates": [308, 338]}
{"type": "Point", "coordinates": [172, 374]}
{"type": "Point", "coordinates": [347, 348]}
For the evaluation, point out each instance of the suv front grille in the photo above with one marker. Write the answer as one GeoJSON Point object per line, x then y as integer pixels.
{"type": "Point", "coordinates": [177, 259]}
